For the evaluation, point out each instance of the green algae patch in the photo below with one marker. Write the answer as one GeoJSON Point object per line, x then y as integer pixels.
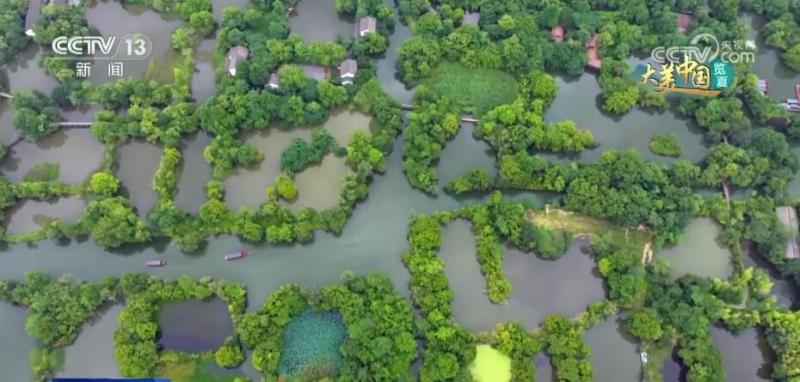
{"type": "Point", "coordinates": [490, 365]}
{"type": "Point", "coordinates": [311, 346]}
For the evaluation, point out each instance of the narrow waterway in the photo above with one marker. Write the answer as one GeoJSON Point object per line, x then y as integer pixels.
{"type": "Point", "coordinates": [7, 130]}
{"type": "Point", "coordinates": [386, 66]}
{"type": "Point", "coordinates": [544, 370]}
{"type": "Point", "coordinates": [319, 186]}
{"type": "Point", "coordinates": [218, 6]}
{"type": "Point", "coordinates": [194, 173]}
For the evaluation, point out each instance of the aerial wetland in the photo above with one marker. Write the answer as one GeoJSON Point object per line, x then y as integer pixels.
{"type": "Point", "coordinates": [497, 288]}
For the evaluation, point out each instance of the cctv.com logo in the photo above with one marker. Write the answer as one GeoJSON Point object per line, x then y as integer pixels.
{"type": "Point", "coordinates": [705, 48]}
{"type": "Point", "coordinates": [132, 47]}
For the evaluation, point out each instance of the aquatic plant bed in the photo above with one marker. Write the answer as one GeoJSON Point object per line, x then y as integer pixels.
{"type": "Point", "coordinates": [311, 345]}
{"type": "Point", "coordinates": [474, 91]}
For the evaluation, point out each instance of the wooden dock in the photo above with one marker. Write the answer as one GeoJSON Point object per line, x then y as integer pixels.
{"type": "Point", "coordinates": [788, 216]}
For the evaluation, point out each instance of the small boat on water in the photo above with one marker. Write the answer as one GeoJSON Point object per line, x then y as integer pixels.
{"type": "Point", "coordinates": [156, 263]}
{"type": "Point", "coordinates": [236, 255]}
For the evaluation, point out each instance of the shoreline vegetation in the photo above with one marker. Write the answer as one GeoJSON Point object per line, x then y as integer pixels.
{"type": "Point", "coordinates": [501, 69]}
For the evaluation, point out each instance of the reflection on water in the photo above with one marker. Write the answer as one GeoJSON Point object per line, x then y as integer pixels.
{"type": "Point", "coordinates": [194, 173]}
{"type": "Point", "coordinates": [344, 123]}
{"type": "Point", "coordinates": [464, 153]}
{"type": "Point", "coordinates": [137, 162]}
{"type": "Point", "coordinates": [218, 6]}
{"type": "Point", "coordinates": [31, 215]}
{"type": "Point", "coordinates": [112, 19]}
{"type": "Point", "coordinates": [317, 20]}
{"type": "Point", "coordinates": [614, 355]}
{"type": "Point", "coordinates": [194, 325]}
{"type": "Point", "coordinates": [769, 64]}
{"type": "Point", "coordinates": [386, 69]}
{"type": "Point", "coordinates": [746, 356]}
{"type": "Point", "coordinates": [247, 186]}
{"type": "Point", "coordinates": [319, 186]}
{"type": "Point", "coordinates": [24, 73]}
{"type": "Point", "coordinates": [77, 152]}
{"type": "Point", "coordinates": [539, 287]}
{"type": "Point", "coordinates": [698, 252]}
{"type": "Point", "coordinates": [579, 100]}
{"type": "Point", "coordinates": [673, 370]}
{"type": "Point", "coordinates": [544, 370]}
{"type": "Point", "coordinates": [782, 288]}
{"type": "Point", "coordinates": [92, 354]}
{"type": "Point", "coordinates": [203, 81]}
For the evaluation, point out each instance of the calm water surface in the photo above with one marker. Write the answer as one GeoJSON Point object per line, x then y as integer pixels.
{"type": "Point", "coordinates": [137, 162]}
{"type": "Point", "coordinates": [386, 69]}
{"type": "Point", "coordinates": [579, 100]}
{"type": "Point", "coordinates": [614, 353]}
{"type": "Point", "coordinates": [194, 173]}
{"type": "Point", "coordinates": [746, 356]}
{"type": "Point", "coordinates": [194, 325]}
{"type": "Point", "coordinates": [465, 153]}
{"type": "Point", "coordinates": [317, 20]}
{"type": "Point", "coordinates": [24, 73]}
{"type": "Point", "coordinates": [31, 215]}
{"type": "Point", "coordinates": [247, 186]}
{"type": "Point", "coordinates": [112, 19]}
{"type": "Point", "coordinates": [699, 253]}
{"type": "Point", "coordinates": [540, 287]}
{"type": "Point", "coordinates": [92, 354]}
{"type": "Point", "coordinates": [17, 344]}
{"type": "Point", "coordinates": [76, 150]}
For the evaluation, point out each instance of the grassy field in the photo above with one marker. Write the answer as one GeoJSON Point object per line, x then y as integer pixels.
{"type": "Point", "coordinates": [475, 91]}
{"type": "Point", "coordinates": [490, 365]}
{"type": "Point", "coordinates": [582, 224]}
